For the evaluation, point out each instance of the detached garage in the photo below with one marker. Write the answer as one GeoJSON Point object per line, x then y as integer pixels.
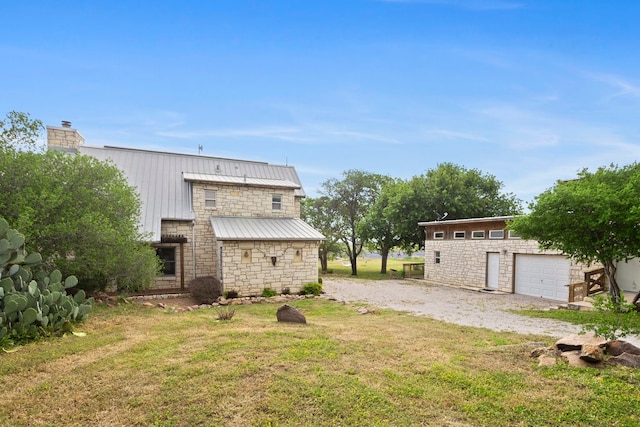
{"type": "Point", "coordinates": [545, 276]}
{"type": "Point", "coordinates": [481, 253]}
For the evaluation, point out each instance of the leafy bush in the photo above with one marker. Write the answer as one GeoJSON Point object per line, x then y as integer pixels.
{"type": "Point", "coordinates": [268, 292]}
{"type": "Point", "coordinates": [231, 294]}
{"type": "Point", "coordinates": [320, 280]}
{"type": "Point", "coordinates": [33, 303]}
{"type": "Point", "coordinates": [206, 289]}
{"type": "Point", "coordinates": [613, 320]}
{"type": "Point", "coordinates": [312, 288]}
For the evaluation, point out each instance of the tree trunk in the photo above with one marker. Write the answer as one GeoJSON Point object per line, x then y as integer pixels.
{"type": "Point", "coordinates": [385, 255]}
{"type": "Point", "coordinates": [610, 273]}
{"type": "Point", "coordinates": [324, 260]}
{"type": "Point", "coordinates": [354, 264]}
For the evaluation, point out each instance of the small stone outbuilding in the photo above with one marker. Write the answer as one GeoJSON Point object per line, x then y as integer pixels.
{"type": "Point", "coordinates": [482, 253]}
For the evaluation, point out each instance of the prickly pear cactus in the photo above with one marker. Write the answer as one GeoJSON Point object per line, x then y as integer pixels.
{"type": "Point", "coordinates": [32, 302]}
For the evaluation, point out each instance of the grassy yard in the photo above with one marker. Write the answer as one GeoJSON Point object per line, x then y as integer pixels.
{"type": "Point", "coordinates": [368, 268]}
{"type": "Point", "coordinates": [141, 366]}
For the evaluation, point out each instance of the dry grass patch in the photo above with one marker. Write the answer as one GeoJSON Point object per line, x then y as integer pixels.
{"type": "Point", "coordinates": [146, 367]}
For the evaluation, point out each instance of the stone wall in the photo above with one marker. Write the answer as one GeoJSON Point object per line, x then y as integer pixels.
{"type": "Point", "coordinates": [464, 262]}
{"type": "Point", "coordinates": [240, 200]}
{"type": "Point", "coordinates": [64, 137]}
{"type": "Point", "coordinates": [248, 267]}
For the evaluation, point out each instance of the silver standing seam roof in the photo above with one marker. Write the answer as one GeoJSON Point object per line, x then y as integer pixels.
{"type": "Point", "coordinates": [252, 228]}
{"type": "Point", "coordinates": [164, 191]}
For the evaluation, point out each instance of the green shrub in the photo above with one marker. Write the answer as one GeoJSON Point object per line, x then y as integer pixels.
{"type": "Point", "coordinates": [268, 292]}
{"type": "Point", "coordinates": [613, 320]}
{"type": "Point", "coordinates": [320, 280]}
{"type": "Point", "coordinates": [206, 289]}
{"type": "Point", "coordinates": [312, 288]}
{"type": "Point", "coordinates": [231, 294]}
{"type": "Point", "coordinates": [33, 302]}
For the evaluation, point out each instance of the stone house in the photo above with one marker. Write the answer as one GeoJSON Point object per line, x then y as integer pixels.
{"type": "Point", "coordinates": [481, 253]}
{"type": "Point", "coordinates": [234, 219]}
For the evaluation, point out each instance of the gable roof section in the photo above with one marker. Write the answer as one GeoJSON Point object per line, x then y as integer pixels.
{"type": "Point", "coordinates": [164, 193]}
{"type": "Point", "coordinates": [240, 180]}
{"type": "Point", "coordinates": [251, 228]}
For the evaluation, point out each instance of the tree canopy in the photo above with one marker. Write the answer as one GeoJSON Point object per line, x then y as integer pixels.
{"type": "Point", "coordinates": [450, 190]}
{"type": "Point", "coordinates": [350, 200]}
{"type": "Point", "coordinates": [19, 131]}
{"type": "Point", "coordinates": [317, 213]}
{"type": "Point", "coordinates": [79, 213]}
{"type": "Point", "coordinates": [595, 218]}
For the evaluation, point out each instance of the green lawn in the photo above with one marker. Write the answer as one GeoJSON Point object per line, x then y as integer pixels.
{"type": "Point", "coordinates": [369, 268]}
{"type": "Point", "coordinates": [141, 366]}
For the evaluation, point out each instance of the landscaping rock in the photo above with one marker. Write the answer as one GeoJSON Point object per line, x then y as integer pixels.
{"type": "Point", "coordinates": [286, 313]}
{"type": "Point", "coordinates": [545, 360]}
{"type": "Point", "coordinates": [576, 341]}
{"type": "Point", "coordinates": [617, 347]}
{"type": "Point", "coordinates": [573, 358]}
{"type": "Point", "coordinates": [626, 359]}
{"type": "Point", "coordinates": [592, 353]}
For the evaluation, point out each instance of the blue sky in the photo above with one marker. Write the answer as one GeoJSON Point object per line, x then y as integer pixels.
{"type": "Point", "coordinates": [528, 91]}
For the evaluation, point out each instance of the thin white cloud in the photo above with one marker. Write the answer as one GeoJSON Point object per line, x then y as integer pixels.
{"type": "Point", "coordinates": [622, 85]}
{"type": "Point", "coordinates": [449, 134]}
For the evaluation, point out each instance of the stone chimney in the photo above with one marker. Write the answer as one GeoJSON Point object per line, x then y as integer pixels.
{"type": "Point", "coordinates": [64, 137]}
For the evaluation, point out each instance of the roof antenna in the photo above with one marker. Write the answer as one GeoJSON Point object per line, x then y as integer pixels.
{"type": "Point", "coordinates": [200, 148]}
{"type": "Point", "coordinates": [440, 217]}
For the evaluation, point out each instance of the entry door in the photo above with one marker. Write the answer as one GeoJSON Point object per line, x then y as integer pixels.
{"type": "Point", "coordinates": [493, 268]}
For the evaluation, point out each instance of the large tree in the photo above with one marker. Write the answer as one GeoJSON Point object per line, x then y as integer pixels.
{"type": "Point", "coordinates": [377, 228]}
{"type": "Point", "coordinates": [317, 212]}
{"type": "Point", "coordinates": [447, 192]}
{"type": "Point", "coordinates": [595, 218]}
{"type": "Point", "coordinates": [78, 212]}
{"type": "Point", "coordinates": [19, 131]}
{"type": "Point", "coordinates": [350, 200]}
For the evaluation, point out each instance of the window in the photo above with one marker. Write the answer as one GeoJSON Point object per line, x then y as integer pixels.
{"type": "Point", "coordinates": [168, 258]}
{"type": "Point", "coordinates": [276, 202]}
{"type": "Point", "coordinates": [438, 235]}
{"type": "Point", "coordinates": [209, 198]}
{"type": "Point", "coordinates": [458, 234]}
{"type": "Point", "coordinates": [496, 234]}
{"type": "Point", "coordinates": [513, 235]}
{"type": "Point", "coordinates": [436, 257]}
{"type": "Point", "coordinates": [477, 234]}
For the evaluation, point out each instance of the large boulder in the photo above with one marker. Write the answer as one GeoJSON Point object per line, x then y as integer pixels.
{"type": "Point", "coordinates": [592, 353]}
{"type": "Point", "coordinates": [617, 347]}
{"type": "Point", "coordinates": [576, 341]}
{"type": "Point", "coordinates": [626, 359]}
{"type": "Point", "coordinates": [286, 313]}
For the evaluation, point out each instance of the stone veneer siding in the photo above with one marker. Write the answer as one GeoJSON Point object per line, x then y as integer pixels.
{"type": "Point", "coordinates": [64, 137]}
{"type": "Point", "coordinates": [464, 262]}
{"type": "Point", "coordinates": [244, 201]}
{"type": "Point", "coordinates": [245, 278]}
{"type": "Point", "coordinates": [251, 278]}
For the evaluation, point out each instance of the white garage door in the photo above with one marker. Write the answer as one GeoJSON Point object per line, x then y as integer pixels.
{"type": "Point", "coordinates": [543, 276]}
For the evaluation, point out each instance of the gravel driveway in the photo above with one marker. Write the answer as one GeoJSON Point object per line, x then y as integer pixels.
{"type": "Point", "coordinates": [454, 305]}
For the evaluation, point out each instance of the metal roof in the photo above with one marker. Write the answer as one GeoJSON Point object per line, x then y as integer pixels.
{"type": "Point", "coordinates": [164, 193]}
{"type": "Point", "coordinates": [251, 228]}
{"type": "Point", "coordinates": [466, 220]}
{"type": "Point", "coordinates": [239, 180]}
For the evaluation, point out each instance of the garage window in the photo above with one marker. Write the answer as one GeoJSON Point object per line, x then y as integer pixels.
{"type": "Point", "coordinates": [513, 235]}
{"type": "Point", "coordinates": [438, 235]}
{"type": "Point", "coordinates": [477, 234]}
{"type": "Point", "coordinates": [458, 234]}
{"type": "Point", "coordinates": [496, 234]}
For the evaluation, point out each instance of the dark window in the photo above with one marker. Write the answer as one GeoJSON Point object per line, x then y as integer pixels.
{"type": "Point", "coordinates": [436, 257]}
{"type": "Point", "coordinates": [168, 258]}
